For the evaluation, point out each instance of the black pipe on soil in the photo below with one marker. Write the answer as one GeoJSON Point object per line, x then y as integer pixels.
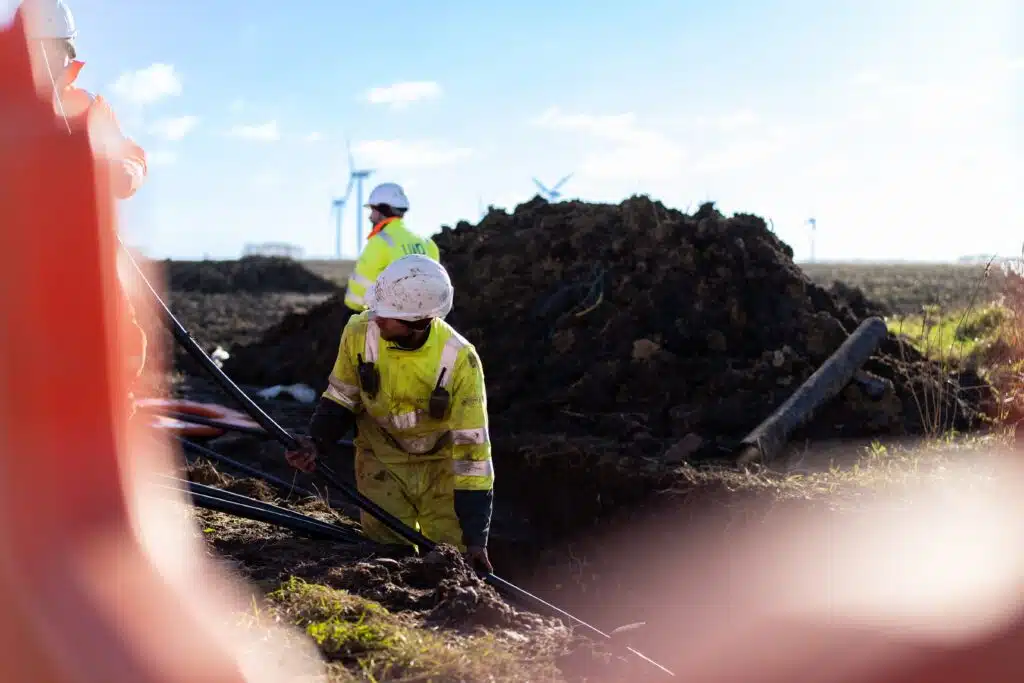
{"type": "Point", "coordinates": [338, 532]}
{"type": "Point", "coordinates": [395, 525]}
{"type": "Point", "coordinates": [198, 450]}
{"type": "Point", "coordinates": [311, 527]}
{"type": "Point", "coordinates": [242, 467]}
{"type": "Point", "coordinates": [767, 439]}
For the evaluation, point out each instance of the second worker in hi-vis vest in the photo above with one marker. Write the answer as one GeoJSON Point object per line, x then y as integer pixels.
{"type": "Point", "coordinates": [415, 389]}
{"type": "Point", "coordinates": [389, 240]}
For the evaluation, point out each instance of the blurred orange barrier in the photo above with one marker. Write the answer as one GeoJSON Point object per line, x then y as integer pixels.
{"type": "Point", "coordinates": [177, 427]}
{"type": "Point", "coordinates": [96, 582]}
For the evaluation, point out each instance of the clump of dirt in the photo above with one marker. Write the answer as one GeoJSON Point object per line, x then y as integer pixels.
{"type": "Point", "coordinates": [252, 274]}
{"type": "Point", "coordinates": [636, 322]}
{"type": "Point", "coordinates": [204, 472]}
{"type": "Point", "coordinates": [253, 488]}
{"type": "Point", "coordinates": [440, 583]}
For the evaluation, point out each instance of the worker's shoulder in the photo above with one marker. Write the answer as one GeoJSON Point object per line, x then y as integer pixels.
{"type": "Point", "coordinates": [466, 348]}
{"type": "Point", "coordinates": [357, 323]}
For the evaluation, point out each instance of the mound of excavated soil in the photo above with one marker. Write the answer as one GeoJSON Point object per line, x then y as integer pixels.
{"type": "Point", "coordinates": [252, 274]}
{"type": "Point", "coordinates": [643, 324]}
{"type": "Point", "coordinates": [301, 347]}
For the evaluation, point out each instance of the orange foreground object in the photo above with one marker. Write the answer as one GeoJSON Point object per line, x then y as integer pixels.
{"type": "Point", "coordinates": [182, 428]}
{"type": "Point", "coordinates": [98, 580]}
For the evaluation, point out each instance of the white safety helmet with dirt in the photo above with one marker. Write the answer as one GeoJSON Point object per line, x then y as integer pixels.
{"type": "Point", "coordinates": [413, 287]}
{"type": "Point", "coordinates": [389, 194]}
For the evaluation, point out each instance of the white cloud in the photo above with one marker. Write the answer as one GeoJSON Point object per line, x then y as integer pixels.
{"type": "Point", "coordinates": [264, 132]}
{"type": "Point", "coordinates": [161, 157]}
{"type": "Point", "coordinates": [743, 153]}
{"type": "Point", "coordinates": [267, 179]}
{"type": "Point", "coordinates": [314, 137]}
{"type": "Point", "coordinates": [413, 154]}
{"type": "Point", "coordinates": [148, 85]}
{"type": "Point", "coordinates": [743, 118]}
{"type": "Point", "coordinates": [633, 152]}
{"type": "Point", "coordinates": [176, 128]}
{"type": "Point", "coordinates": [400, 95]}
{"type": "Point", "coordinates": [866, 77]}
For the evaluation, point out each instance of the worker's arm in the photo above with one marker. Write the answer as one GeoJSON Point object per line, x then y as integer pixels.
{"type": "Point", "coordinates": [127, 159]}
{"type": "Point", "coordinates": [471, 450]}
{"type": "Point", "coordinates": [371, 262]}
{"type": "Point", "coordinates": [340, 403]}
{"type": "Point", "coordinates": [432, 250]}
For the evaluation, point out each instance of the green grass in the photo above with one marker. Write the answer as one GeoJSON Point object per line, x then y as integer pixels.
{"type": "Point", "coordinates": [967, 335]}
{"type": "Point", "coordinates": [363, 641]}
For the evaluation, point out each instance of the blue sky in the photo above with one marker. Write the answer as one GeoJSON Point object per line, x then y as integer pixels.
{"type": "Point", "coordinates": [897, 124]}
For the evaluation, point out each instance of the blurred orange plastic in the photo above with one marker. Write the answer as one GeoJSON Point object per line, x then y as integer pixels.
{"type": "Point", "coordinates": [86, 591]}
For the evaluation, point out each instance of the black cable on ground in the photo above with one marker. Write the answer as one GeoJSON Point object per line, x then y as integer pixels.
{"type": "Point", "coordinates": [395, 525]}
{"type": "Point", "coordinates": [198, 450]}
{"type": "Point", "coordinates": [315, 529]}
{"type": "Point", "coordinates": [242, 467]}
{"type": "Point", "coordinates": [339, 532]}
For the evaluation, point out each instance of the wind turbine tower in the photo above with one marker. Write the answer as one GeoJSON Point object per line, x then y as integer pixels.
{"type": "Point", "coordinates": [338, 209]}
{"type": "Point", "coordinates": [814, 228]}
{"type": "Point", "coordinates": [553, 194]}
{"type": "Point", "coordinates": [358, 176]}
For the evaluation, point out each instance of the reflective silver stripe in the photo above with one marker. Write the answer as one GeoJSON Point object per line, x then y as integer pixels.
{"type": "Point", "coordinates": [473, 468]}
{"type": "Point", "coordinates": [405, 420]}
{"type": "Point", "coordinates": [470, 436]}
{"type": "Point", "coordinates": [346, 394]}
{"type": "Point", "coordinates": [341, 398]}
{"type": "Point", "coordinates": [387, 238]}
{"type": "Point", "coordinates": [360, 280]}
{"type": "Point", "coordinates": [349, 390]}
{"type": "Point", "coordinates": [449, 354]}
{"type": "Point", "coordinates": [372, 341]}
{"type": "Point", "coordinates": [354, 298]}
{"type": "Point", "coordinates": [416, 445]}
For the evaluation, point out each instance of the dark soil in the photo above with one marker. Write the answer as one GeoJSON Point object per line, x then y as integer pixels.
{"type": "Point", "coordinates": [608, 334]}
{"type": "Point", "coordinates": [641, 324]}
{"type": "Point", "coordinates": [252, 274]}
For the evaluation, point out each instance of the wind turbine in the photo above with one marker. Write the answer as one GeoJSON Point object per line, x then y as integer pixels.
{"type": "Point", "coordinates": [552, 194]}
{"type": "Point", "coordinates": [338, 210]}
{"type": "Point", "coordinates": [358, 176]}
{"type": "Point", "coordinates": [813, 222]}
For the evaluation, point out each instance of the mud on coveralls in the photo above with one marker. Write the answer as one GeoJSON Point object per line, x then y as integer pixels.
{"type": "Point", "coordinates": [389, 240]}
{"type": "Point", "coordinates": [434, 474]}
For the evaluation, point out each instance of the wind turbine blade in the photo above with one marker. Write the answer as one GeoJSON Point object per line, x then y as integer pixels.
{"type": "Point", "coordinates": [561, 182]}
{"type": "Point", "coordinates": [348, 188]}
{"type": "Point", "coordinates": [543, 189]}
{"type": "Point", "coordinates": [351, 160]}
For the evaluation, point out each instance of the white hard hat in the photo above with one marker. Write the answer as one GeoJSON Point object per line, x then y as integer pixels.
{"type": "Point", "coordinates": [413, 287]}
{"type": "Point", "coordinates": [391, 194]}
{"type": "Point", "coordinates": [48, 19]}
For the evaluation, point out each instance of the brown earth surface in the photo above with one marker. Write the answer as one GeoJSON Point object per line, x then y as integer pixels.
{"type": "Point", "coordinates": [608, 333]}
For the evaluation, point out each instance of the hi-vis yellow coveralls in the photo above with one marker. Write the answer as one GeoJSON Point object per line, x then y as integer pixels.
{"type": "Point", "coordinates": [433, 474]}
{"type": "Point", "coordinates": [388, 241]}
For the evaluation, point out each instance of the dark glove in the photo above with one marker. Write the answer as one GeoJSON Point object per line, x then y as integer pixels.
{"type": "Point", "coordinates": [304, 457]}
{"type": "Point", "coordinates": [478, 559]}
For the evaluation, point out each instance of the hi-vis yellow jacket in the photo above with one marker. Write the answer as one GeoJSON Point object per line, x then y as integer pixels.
{"type": "Point", "coordinates": [390, 240]}
{"type": "Point", "coordinates": [395, 424]}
